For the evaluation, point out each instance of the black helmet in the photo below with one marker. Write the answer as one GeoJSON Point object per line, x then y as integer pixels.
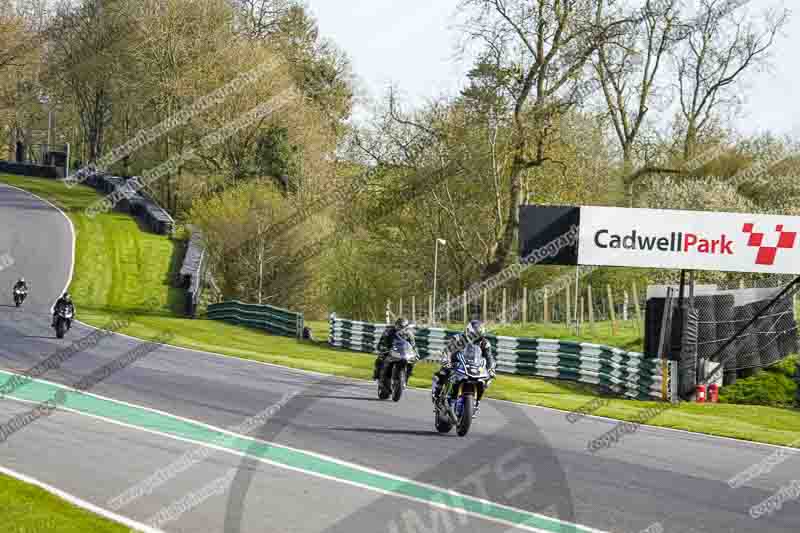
{"type": "Point", "coordinates": [67, 297]}
{"type": "Point", "coordinates": [401, 323]}
{"type": "Point", "coordinates": [475, 331]}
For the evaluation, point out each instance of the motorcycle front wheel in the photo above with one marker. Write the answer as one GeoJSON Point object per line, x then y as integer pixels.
{"type": "Point", "coordinates": [398, 380]}
{"type": "Point", "coordinates": [467, 411]}
{"type": "Point", "coordinates": [60, 329]}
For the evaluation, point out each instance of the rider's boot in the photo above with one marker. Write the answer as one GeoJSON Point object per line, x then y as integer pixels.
{"type": "Point", "coordinates": [435, 388]}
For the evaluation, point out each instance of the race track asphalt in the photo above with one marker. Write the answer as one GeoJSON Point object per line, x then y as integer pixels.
{"type": "Point", "coordinates": [524, 457]}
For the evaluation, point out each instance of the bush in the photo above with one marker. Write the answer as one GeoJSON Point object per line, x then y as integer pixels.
{"type": "Point", "coordinates": [786, 367]}
{"type": "Point", "coordinates": [773, 387]}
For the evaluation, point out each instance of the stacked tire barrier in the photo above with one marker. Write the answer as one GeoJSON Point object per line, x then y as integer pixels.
{"type": "Point", "coordinates": [688, 366]}
{"type": "Point", "coordinates": [272, 319]}
{"type": "Point", "coordinates": [139, 204]}
{"type": "Point", "coordinates": [192, 271]}
{"type": "Point", "coordinates": [29, 169]}
{"type": "Point", "coordinates": [631, 374]}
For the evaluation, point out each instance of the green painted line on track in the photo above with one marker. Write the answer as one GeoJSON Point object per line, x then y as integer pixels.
{"type": "Point", "coordinates": [144, 418]}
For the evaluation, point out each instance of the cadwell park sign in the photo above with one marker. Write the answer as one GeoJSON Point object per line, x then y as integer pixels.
{"type": "Point", "coordinates": [664, 238]}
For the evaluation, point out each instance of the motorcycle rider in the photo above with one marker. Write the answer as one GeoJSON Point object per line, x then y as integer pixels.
{"type": "Point", "coordinates": [20, 284]}
{"type": "Point", "coordinates": [474, 333]}
{"type": "Point", "coordinates": [402, 329]}
{"type": "Point", "coordinates": [64, 302]}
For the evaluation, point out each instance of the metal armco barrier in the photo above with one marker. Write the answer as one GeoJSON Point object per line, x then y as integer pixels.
{"type": "Point", "coordinates": [273, 319]}
{"type": "Point", "coordinates": [630, 374]}
{"type": "Point", "coordinates": [193, 270]}
{"type": "Point", "coordinates": [140, 204]}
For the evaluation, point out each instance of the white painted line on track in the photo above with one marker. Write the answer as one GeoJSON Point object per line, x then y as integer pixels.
{"type": "Point", "coordinates": [431, 503]}
{"type": "Point", "coordinates": [83, 504]}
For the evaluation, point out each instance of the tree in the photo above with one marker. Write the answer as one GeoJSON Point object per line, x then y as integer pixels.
{"type": "Point", "coordinates": [84, 61]}
{"type": "Point", "coordinates": [627, 71]}
{"type": "Point", "coordinates": [719, 48]}
{"type": "Point", "coordinates": [260, 18]}
{"type": "Point", "coordinates": [320, 69]}
{"type": "Point", "coordinates": [539, 49]}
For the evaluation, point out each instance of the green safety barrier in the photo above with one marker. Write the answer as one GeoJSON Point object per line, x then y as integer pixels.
{"type": "Point", "coordinates": [632, 374]}
{"type": "Point", "coordinates": [273, 319]}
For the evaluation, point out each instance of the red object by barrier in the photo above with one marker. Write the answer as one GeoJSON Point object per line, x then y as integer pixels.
{"type": "Point", "coordinates": [713, 393]}
{"type": "Point", "coordinates": [701, 394]}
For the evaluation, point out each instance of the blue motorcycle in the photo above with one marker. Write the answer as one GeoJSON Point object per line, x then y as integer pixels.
{"type": "Point", "coordinates": [467, 382]}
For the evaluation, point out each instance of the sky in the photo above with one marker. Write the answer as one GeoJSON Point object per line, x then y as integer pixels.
{"type": "Point", "coordinates": [412, 44]}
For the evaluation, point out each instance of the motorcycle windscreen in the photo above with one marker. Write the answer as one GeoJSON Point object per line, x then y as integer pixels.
{"type": "Point", "coordinates": [473, 355]}
{"type": "Point", "coordinates": [402, 347]}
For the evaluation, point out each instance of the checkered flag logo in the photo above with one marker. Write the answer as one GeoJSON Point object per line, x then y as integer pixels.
{"type": "Point", "coordinates": [766, 253]}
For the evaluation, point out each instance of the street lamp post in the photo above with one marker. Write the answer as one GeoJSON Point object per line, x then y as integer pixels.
{"type": "Point", "coordinates": [435, 265]}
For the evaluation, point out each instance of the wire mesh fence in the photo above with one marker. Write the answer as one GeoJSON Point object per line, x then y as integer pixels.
{"type": "Point", "coordinates": [590, 309]}
{"type": "Point", "coordinates": [730, 306]}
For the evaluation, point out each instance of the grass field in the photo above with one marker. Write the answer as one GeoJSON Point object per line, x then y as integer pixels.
{"type": "Point", "coordinates": [126, 266]}
{"type": "Point", "coordinates": [29, 509]}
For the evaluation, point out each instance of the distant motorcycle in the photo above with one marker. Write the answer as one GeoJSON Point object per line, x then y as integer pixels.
{"type": "Point", "coordinates": [19, 296]}
{"type": "Point", "coordinates": [397, 366]}
{"type": "Point", "coordinates": [64, 320]}
{"type": "Point", "coordinates": [456, 403]}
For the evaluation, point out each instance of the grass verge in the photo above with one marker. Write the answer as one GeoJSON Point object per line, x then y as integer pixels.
{"type": "Point", "coordinates": [29, 509]}
{"type": "Point", "coordinates": [140, 266]}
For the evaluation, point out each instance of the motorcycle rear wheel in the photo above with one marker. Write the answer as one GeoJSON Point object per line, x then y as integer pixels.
{"type": "Point", "coordinates": [383, 391]}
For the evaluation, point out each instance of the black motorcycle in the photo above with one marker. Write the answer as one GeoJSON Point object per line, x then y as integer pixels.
{"type": "Point", "coordinates": [64, 320]}
{"type": "Point", "coordinates": [396, 368]}
{"type": "Point", "coordinates": [19, 296]}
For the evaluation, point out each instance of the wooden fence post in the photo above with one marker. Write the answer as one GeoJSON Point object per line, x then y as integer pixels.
{"type": "Point", "coordinates": [485, 305]}
{"type": "Point", "coordinates": [611, 312]}
{"type": "Point", "coordinates": [637, 308]}
{"type": "Point", "coordinates": [591, 307]}
{"type": "Point", "coordinates": [400, 307]}
{"type": "Point", "coordinates": [466, 315]}
{"type": "Point", "coordinates": [505, 317]}
{"type": "Point", "coordinates": [447, 320]}
{"type": "Point", "coordinates": [413, 308]}
{"type": "Point", "coordinates": [625, 306]}
{"type": "Point", "coordinates": [524, 305]}
{"type": "Point", "coordinates": [569, 311]}
{"type": "Point", "coordinates": [546, 310]}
